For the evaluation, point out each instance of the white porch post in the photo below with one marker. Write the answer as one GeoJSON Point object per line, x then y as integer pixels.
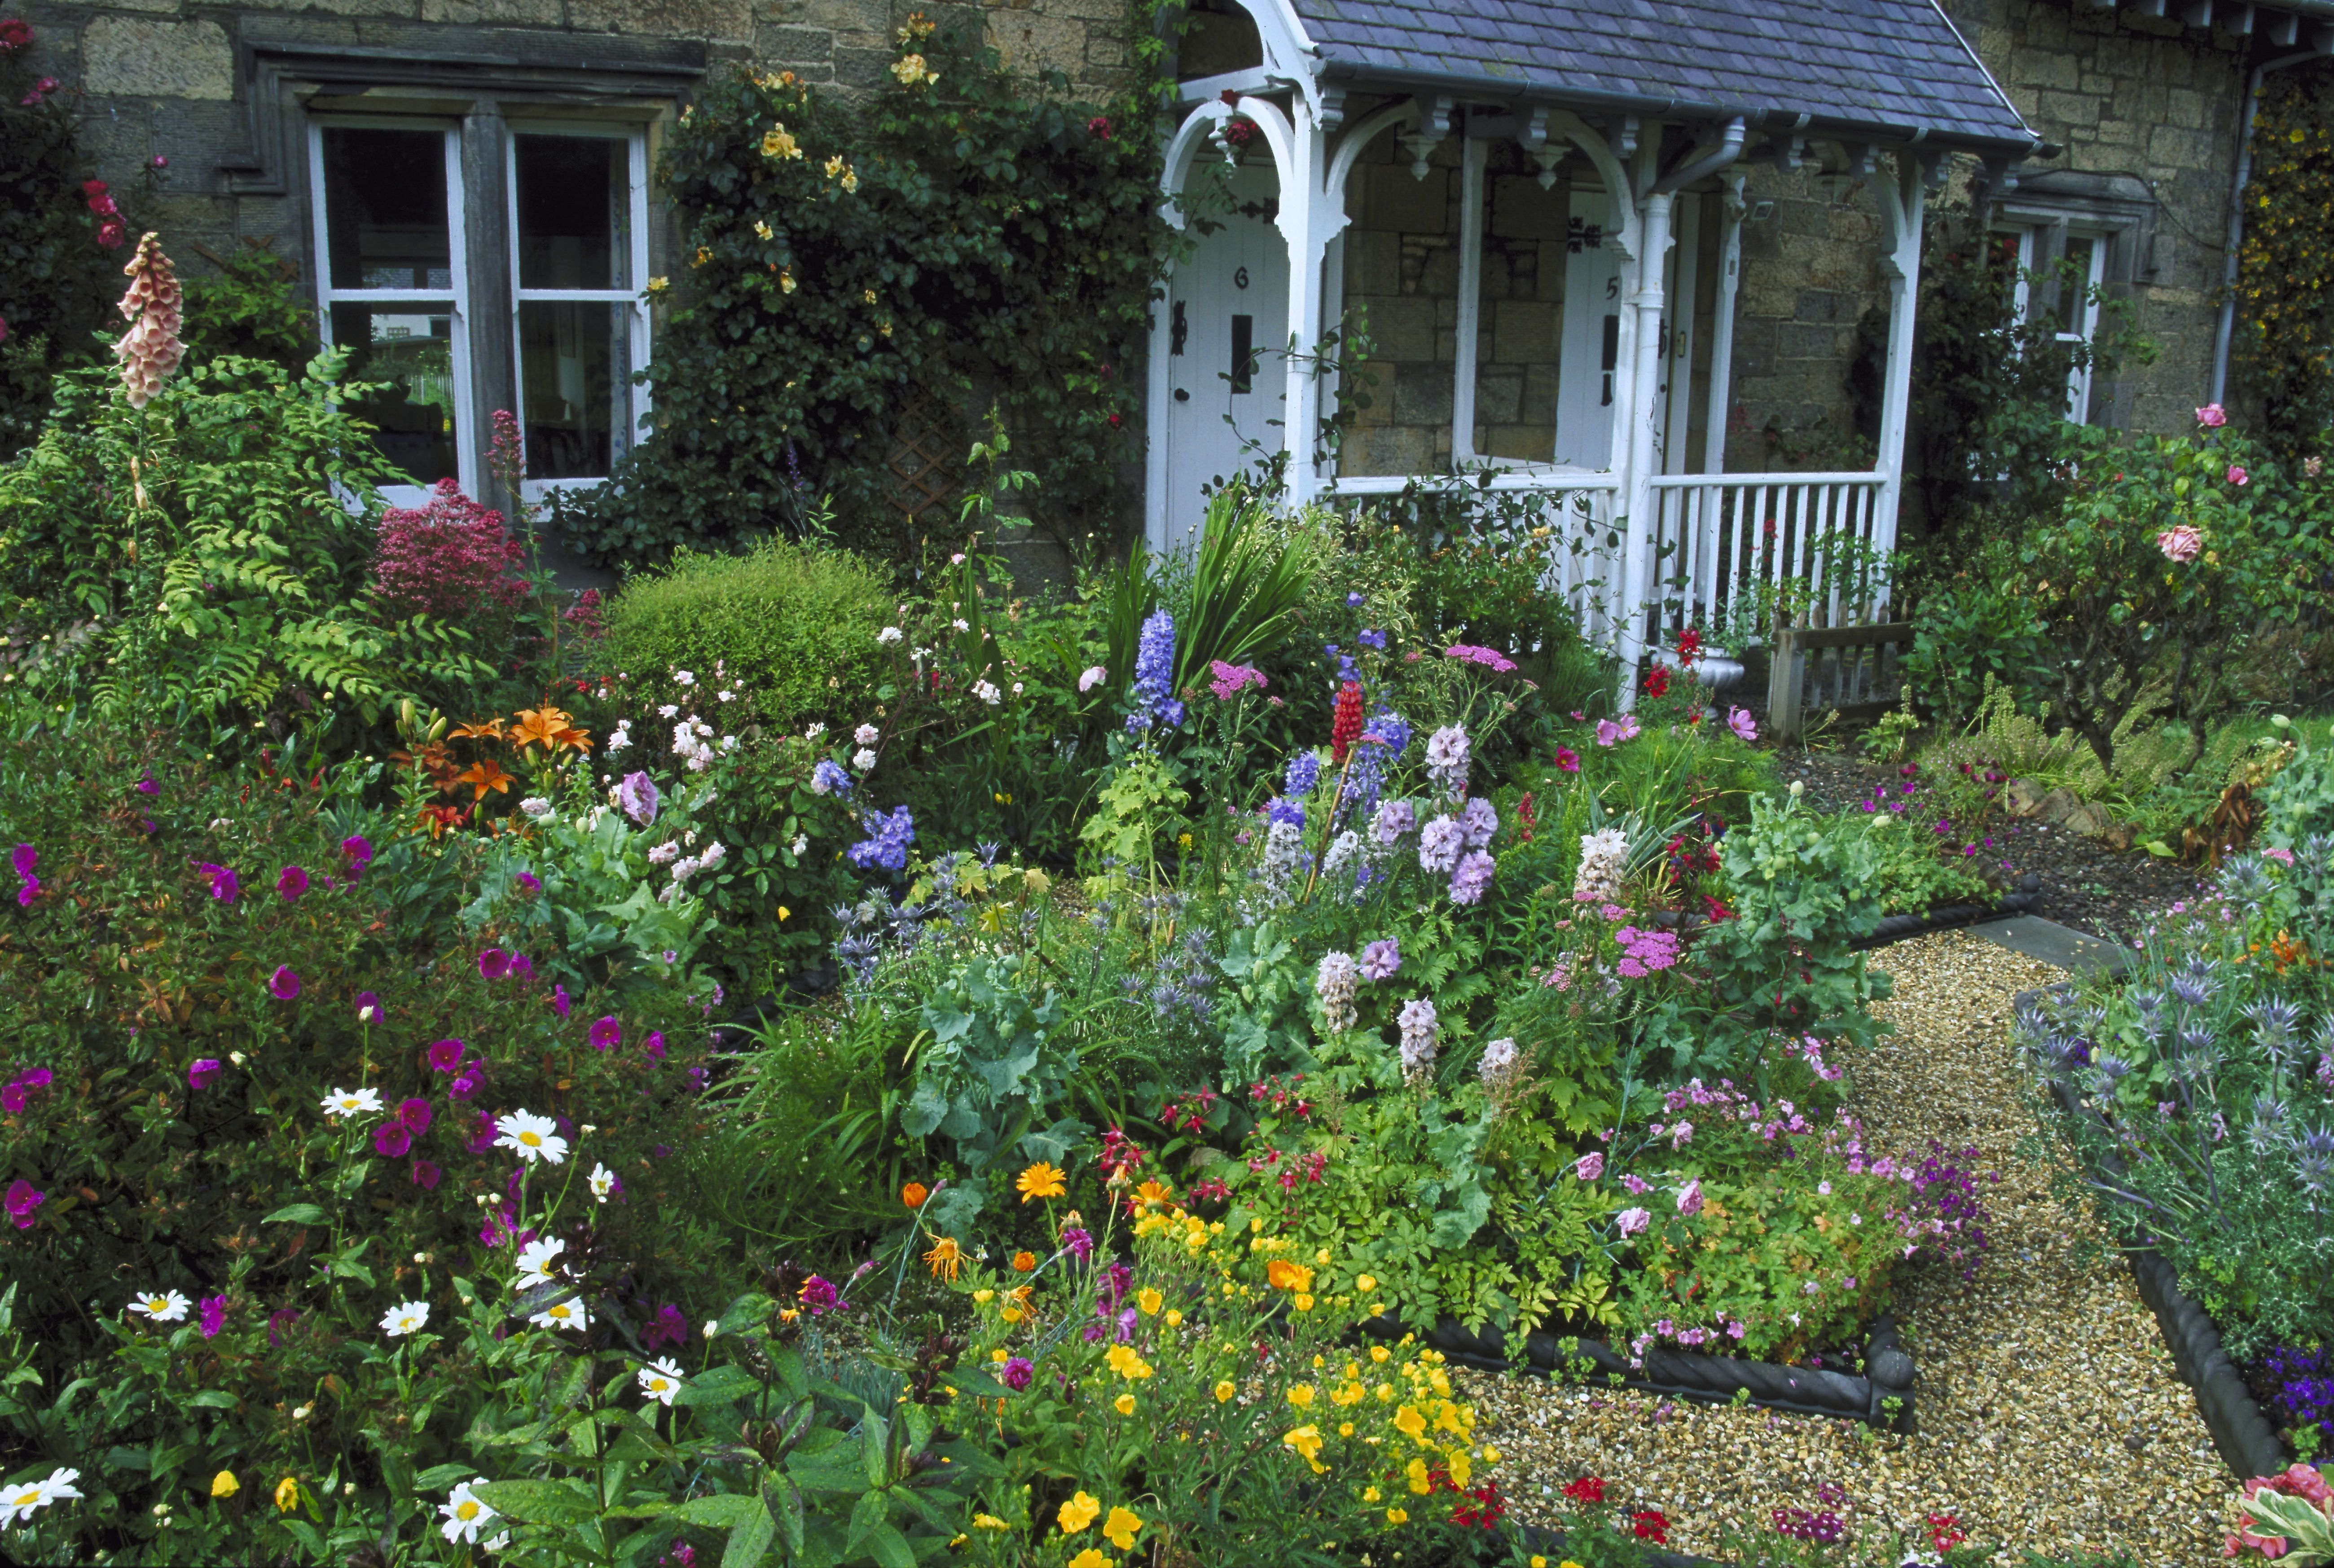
{"type": "Point", "coordinates": [1643, 411]}
{"type": "Point", "coordinates": [1901, 200]}
{"type": "Point", "coordinates": [1303, 224]}
{"type": "Point", "coordinates": [1722, 335]}
{"type": "Point", "coordinates": [1474, 154]}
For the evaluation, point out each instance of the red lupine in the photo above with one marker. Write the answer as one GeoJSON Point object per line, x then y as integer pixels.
{"type": "Point", "coordinates": [1346, 725]}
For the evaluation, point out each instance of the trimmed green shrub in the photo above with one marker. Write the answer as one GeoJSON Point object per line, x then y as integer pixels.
{"type": "Point", "coordinates": [791, 625]}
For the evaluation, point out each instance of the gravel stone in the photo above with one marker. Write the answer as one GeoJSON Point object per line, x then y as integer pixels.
{"type": "Point", "coordinates": [2051, 1418]}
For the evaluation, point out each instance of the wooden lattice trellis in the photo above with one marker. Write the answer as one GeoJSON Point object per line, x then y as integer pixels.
{"type": "Point", "coordinates": [927, 459]}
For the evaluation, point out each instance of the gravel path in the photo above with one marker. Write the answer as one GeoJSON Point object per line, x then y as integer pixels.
{"type": "Point", "coordinates": [2051, 1419]}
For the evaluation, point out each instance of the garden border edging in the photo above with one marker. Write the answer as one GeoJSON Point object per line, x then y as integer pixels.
{"type": "Point", "coordinates": [1947, 918]}
{"type": "Point", "coordinates": [1705, 1378]}
{"type": "Point", "coordinates": [2242, 1435]}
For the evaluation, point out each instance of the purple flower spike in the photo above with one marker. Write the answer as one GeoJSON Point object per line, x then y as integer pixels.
{"type": "Point", "coordinates": [199, 1075]}
{"type": "Point", "coordinates": [291, 882]}
{"type": "Point", "coordinates": [445, 1056]}
{"type": "Point", "coordinates": [284, 985]}
{"type": "Point", "coordinates": [214, 1316]}
{"type": "Point", "coordinates": [607, 1035]}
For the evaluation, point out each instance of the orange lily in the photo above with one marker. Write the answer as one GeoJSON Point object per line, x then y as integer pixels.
{"type": "Point", "coordinates": [539, 725]}
{"type": "Point", "coordinates": [480, 729]}
{"type": "Point", "coordinates": [484, 776]}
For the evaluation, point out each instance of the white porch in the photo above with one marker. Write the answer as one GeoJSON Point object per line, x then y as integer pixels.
{"type": "Point", "coordinates": [1612, 388]}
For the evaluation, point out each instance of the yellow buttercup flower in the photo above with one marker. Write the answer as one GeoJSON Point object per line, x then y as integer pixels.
{"type": "Point", "coordinates": [1417, 1475]}
{"type": "Point", "coordinates": [1149, 1302]}
{"type": "Point", "coordinates": [1397, 1515]}
{"type": "Point", "coordinates": [1371, 1494]}
{"type": "Point", "coordinates": [1174, 1319]}
{"type": "Point", "coordinates": [1123, 1404]}
{"type": "Point", "coordinates": [287, 1494]}
{"type": "Point", "coordinates": [1379, 1353]}
{"type": "Point", "coordinates": [1121, 1526]}
{"type": "Point", "coordinates": [225, 1484]}
{"type": "Point", "coordinates": [1282, 1274]}
{"type": "Point", "coordinates": [1304, 1302]}
{"type": "Point", "coordinates": [1301, 1396]}
{"type": "Point", "coordinates": [1042, 1180]}
{"type": "Point", "coordinates": [1224, 1390]}
{"type": "Point", "coordinates": [1491, 1454]}
{"type": "Point", "coordinates": [991, 1522]}
{"type": "Point", "coordinates": [1307, 1440]}
{"type": "Point", "coordinates": [1079, 1512]}
{"type": "Point", "coordinates": [1122, 1361]}
{"type": "Point", "coordinates": [1410, 1423]}
{"type": "Point", "coordinates": [1089, 1558]}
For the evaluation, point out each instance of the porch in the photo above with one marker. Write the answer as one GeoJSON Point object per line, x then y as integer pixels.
{"type": "Point", "coordinates": [1517, 234]}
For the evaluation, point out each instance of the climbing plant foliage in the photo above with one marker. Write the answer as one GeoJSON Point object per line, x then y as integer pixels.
{"type": "Point", "coordinates": [965, 237]}
{"type": "Point", "coordinates": [2285, 278]}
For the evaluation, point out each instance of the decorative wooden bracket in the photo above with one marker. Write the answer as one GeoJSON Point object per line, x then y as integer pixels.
{"type": "Point", "coordinates": [1433, 125]}
{"type": "Point", "coordinates": [1550, 154]}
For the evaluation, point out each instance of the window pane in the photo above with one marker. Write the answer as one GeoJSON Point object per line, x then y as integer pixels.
{"type": "Point", "coordinates": [385, 209]}
{"type": "Point", "coordinates": [575, 372]}
{"type": "Point", "coordinates": [410, 346]}
{"type": "Point", "coordinates": [2074, 292]}
{"type": "Point", "coordinates": [573, 212]}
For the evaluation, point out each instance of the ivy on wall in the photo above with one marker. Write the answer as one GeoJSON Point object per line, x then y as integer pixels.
{"type": "Point", "coordinates": [2285, 276]}
{"type": "Point", "coordinates": [966, 233]}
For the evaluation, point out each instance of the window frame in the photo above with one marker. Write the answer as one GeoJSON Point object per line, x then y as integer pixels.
{"type": "Point", "coordinates": [634, 299]}
{"type": "Point", "coordinates": [2044, 244]}
{"type": "Point", "coordinates": [467, 427]}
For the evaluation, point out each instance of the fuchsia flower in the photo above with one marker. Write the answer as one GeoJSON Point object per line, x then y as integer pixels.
{"type": "Point", "coordinates": [1491, 659]}
{"type": "Point", "coordinates": [528, 882]}
{"type": "Point", "coordinates": [1232, 679]}
{"type": "Point", "coordinates": [445, 1055]}
{"type": "Point", "coordinates": [147, 786]}
{"type": "Point", "coordinates": [291, 882]}
{"type": "Point", "coordinates": [214, 1310]}
{"type": "Point", "coordinates": [368, 1007]}
{"type": "Point", "coordinates": [1017, 1373]}
{"type": "Point", "coordinates": [18, 1092]}
{"type": "Point", "coordinates": [204, 1070]}
{"type": "Point", "coordinates": [284, 985]}
{"type": "Point", "coordinates": [607, 1034]}
{"type": "Point", "coordinates": [358, 851]}
{"type": "Point", "coordinates": [559, 1000]}
{"type": "Point", "coordinates": [22, 1201]}
{"type": "Point", "coordinates": [25, 858]}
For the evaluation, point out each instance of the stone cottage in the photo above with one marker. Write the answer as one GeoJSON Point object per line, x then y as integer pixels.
{"type": "Point", "coordinates": [1620, 259]}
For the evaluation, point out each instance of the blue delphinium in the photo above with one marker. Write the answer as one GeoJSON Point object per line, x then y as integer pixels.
{"type": "Point", "coordinates": [887, 842]}
{"type": "Point", "coordinates": [1280, 809]}
{"type": "Point", "coordinates": [1154, 675]}
{"type": "Point", "coordinates": [1304, 772]}
{"type": "Point", "coordinates": [828, 778]}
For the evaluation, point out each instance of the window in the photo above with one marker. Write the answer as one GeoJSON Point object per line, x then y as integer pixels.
{"type": "Point", "coordinates": [389, 234]}
{"type": "Point", "coordinates": [2071, 294]}
{"type": "Point", "coordinates": [579, 221]}
{"type": "Point", "coordinates": [396, 290]}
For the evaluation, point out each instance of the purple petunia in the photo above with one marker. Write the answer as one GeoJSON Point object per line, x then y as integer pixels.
{"type": "Point", "coordinates": [607, 1034]}
{"type": "Point", "coordinates": [22, 1199]}
{"type": "Point", "coordinates": [521, 969]}
{"type": "Point", "coordinates": [445, 1055]}
{"type": "Point", "coordinates": [224, 885]}
{"type": "Point", "coordinates": [284, 985]}
{"type": "Point", "coordinates": [463, 1087]}
{"type": "Point", "coordinates": [414, 1115]}
{"type": "Point", "coordinates": [655, 1044]}
{"type": "Point", "coordinates": [147, 786]}
{"type": "Point", "coordinates": [368, 1007]}
{"type": "Point", "coordinates": [205, 1069]}
{"type": "Point", "coordinates": [291, 882]}
{"type": "Point", "coordinates": [391, 1140]}
{"type": "Point", "coordinates": [357, 849]}
{"type": "Point", "coordinates": [494, 964]}
{"type": "Point", "coordinates": [25, 858]}
{"type": "Point", "coordinates": [425, 1175]}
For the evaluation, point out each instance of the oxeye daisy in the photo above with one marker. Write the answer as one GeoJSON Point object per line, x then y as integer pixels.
{"type": "Point", "coordinates": [20, 1500]}
{"type": "Point", "coordinates": [162, 1307]}
{"type": "Point", "coordinates": [342, 1103]}
{"type": "Point", "coordinates": [533, 1138]}
{"type": "Point", "coordinates": [660, 1380]}
{"type": "Point", "coordinates": [564, 1314]}
{"type": "Point", "coordinates": [404, 1318]}
{"type": "Point", "coordinates": [605, 1181]}
{"type": "Point", "coordinates": [536, 1262]}
{"type": "Point", "coordinates": [465, 1516]}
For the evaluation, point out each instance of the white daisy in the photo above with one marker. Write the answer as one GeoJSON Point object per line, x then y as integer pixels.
{"type": "Point", "coordinates": [604, 1181]}
{"type": "Point", "coordinates": [533, 1138]}
{"type": "Point", "coordinates": [565, 1314]}
{"type": "Point", "coordinates": [342, 1103]}
{"type": "Point", "coordinates": [465, 1516]}
{"type": "Point", "coordinates": [404, 1318]}
{"type": "Point", "coordinates": [660, 1380]}
{"type": "Point", "coordinates": [162, 1307]}
{"type": "Point", "coordinates": [19, 1500]}
{"type": "Point", "coordinates": [535, 1262]}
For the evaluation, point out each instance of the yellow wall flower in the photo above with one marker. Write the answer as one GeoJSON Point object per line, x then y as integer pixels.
{"type": "Point", "coordinates": [1224, 1390]}
{"type": "Point", "coordinates": [1079, 1512]}
{"type": "Point", "coordinates": [1120, 1527]}
{"type": "Point", "coordinates": [1041, 1181]}
{"type": "Point", "coordinates": [225, 1484]}
{"type": "Point", "coordinates": [1149, 1301]}
{"type": "Point", "coordinates": [779, 142]}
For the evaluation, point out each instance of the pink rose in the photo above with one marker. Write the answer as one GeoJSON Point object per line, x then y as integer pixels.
{"type": "Point", "coordinates": [2180, 544]}
{"type": "Point", "coordinates": [2212, 415]}
{"type": "Point", "coordinates": [1633, 1221]}
{"type": "Point", "coordinates": [1588, 1166]}
{"type": "Point", "coordinates": [2238, 476]}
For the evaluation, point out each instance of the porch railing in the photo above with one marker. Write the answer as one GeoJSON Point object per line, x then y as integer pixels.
{"type": "Point", "coordinates": [1720, 534]}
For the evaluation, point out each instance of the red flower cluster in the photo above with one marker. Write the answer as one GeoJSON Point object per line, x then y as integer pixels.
{"type": "Point", "coordinates": [1188, 1109]}
{"type": "Point", "coordinates": [1099, 129]}
{"type": "Point", "coordinates": [1526, 821]}
{"type": "Point", "coordinates": [449, 559]}
{"type": "Point", "coordinates": [1346, 723]}
{"type": "Point", "coordinates": [1280, 1097]}
{"type": "Point", "coordinates": [1689, 647]}
{"type": "Point", "coordinates": [1480, 1510]}
{"type": "Point", "coordinates": [15, 33]}
{"type": "Point", "coordinates": [1946, 1531]}
{"type": "Point", "coordinates": [1657, 680]}
{"type": "Point", "coordinates": [1588, 1489]}
{"type": "Point", "coordinates": [1118, 1154]}
{"type": "Point", "coordinates": [1651, 1525]}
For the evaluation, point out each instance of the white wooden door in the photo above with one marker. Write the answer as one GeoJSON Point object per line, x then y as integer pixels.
{"type": "Point", "coordinates": [1588, 381]}
{"type": "Point", "coordinates": [1228, 342]}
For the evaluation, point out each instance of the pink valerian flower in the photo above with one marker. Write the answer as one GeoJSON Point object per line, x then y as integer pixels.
{"type": "Point", "coordinates": [1589, 1165]}
{"type": "Point", "coordinates": [22, 1200]}
{"type": "Point", "coordinates": [203, 1070]}
{"type": "Point", "coordinates": [2238, 476]}
{"type": "Point", "coordinates": [2181, 543]}
{"type": "Point", "coordinates": [1491, 659]}
{"type": "Point", "coordinates": [151, 349]}
{"type": "Point", "coordinates": [607, 1034]}
{"type": "Point", "coordinates": [284, 985]}
{"type": "Point", "coordinates": [447, 560]}
{"type": "Point", "coordinates": [1232, 679]}
{"type": "Point", "coordinates": [2212, 415]}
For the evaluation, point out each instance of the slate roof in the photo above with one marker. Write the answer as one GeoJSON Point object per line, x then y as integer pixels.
{"type": "Point", "coordinates": [1897, 64]}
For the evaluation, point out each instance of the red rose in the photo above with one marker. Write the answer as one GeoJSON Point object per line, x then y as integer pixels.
{"type": "Point", "coordinates": [15, 33]}
{"type": "Point", "coordinates": [112, 235]}
{"type": "Point", "coordinates": [94, 188]}
{"type": "Point", "coordinates": [1099, 128]}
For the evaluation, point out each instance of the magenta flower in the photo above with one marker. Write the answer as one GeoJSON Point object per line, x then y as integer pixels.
{"type": "Point", "coordinates": [1568, 759]}
{"type": "Point", "coordinates": [445, 1056]}
{"type": "Point", "coordinates": [2212, 415]}
{"type": "Point", "coordinates": [1232, 679]}
{"type": "Point", "coordinates": [2238, 476]}
{"type": "Point", "coordinates": [19, 1089]}
{"type": "Point", "coordinates": [1491, 659]}
{"type": "Point", "coordinates": [607, 1035]}
{"type": "Point", "coordinates": [224, 884]}
{"type": "Point", "coordinates": [559, 1002]}
{"type": "Point", "coordinates": [283, 983]}
{"type": "Point", "coordinates": [489, 1130]}
{"type": "Point", "coordinates": [425, 1175]}
{"type": "Point", "coordinates": [528, 882]}
{"type": "Point", "coordinates": [668, 1327]}
{"type": "Point", "coordinates": [1739, 720]}
{"type": "Point", "coordinates": [1589, 1165]}
{"type": "Point", "coordinates": [1017, 1373]}
{"type": "Point", "coordinates": [291, 882]}
{"type": "Point", "coordinates": [22, 1201]}
{"type": "Point", "coordinates": [494, 964]}
{"type": "Point", "coordinates": [655, 1044]}
{"type": "Point", "coordinates": [414, 1116]}
{"type": "Point", "coordinates": [463, 1087]}
{"type": "Point", "coordinates": [214, 1316]}
{"type": "Point", "coordinates": [521, 969]}
{"type": "Point", "coordinates": [1078, 1243]}
{"type": "Point", "coordinates": [368, 1007]}
{"type": "Point", "coordinates": [2183, 543]}
{"type": "Point", "coordinates": [1609, 733]}
{"type": "Point", "coordinates": [391, 1140]}
{"type": "Point", "coordinates": [358, 851]}
{"type": "Point", "coordinates": [819, 1295]}
{"type": "Point", "coordinates": [205, 1069]}
{"type": "Point", "coordinates": [147, 786]}
{"type": "Point", "coordinates": [25, 858]}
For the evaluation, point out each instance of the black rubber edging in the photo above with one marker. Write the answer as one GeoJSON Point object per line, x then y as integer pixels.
{"type": "Point", "coordinates": [1947, 918]}
{"type": "Point", "coordinates": [2247, 1442]}
{"type": "Point", "coordinates": [1704, 1379]}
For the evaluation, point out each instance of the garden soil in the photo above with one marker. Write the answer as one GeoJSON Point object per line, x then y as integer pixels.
{"type": "Point", "coordinates": [2109, 894]}
{"type": "Point", "coordinates": [2051, 1416]}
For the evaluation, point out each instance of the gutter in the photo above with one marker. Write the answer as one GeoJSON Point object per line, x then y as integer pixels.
{"type": "Point", "coordinates": [2224, 334]}
{"type": "Point", "coordinates": [1480, 88]}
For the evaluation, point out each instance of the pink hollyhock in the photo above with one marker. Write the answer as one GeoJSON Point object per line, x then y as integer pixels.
{"type": "Point", "coordinates": [447, 560]}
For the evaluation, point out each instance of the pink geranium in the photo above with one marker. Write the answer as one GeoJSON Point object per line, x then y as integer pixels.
{"type": "Point", "coordinates": [2181, 543]}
